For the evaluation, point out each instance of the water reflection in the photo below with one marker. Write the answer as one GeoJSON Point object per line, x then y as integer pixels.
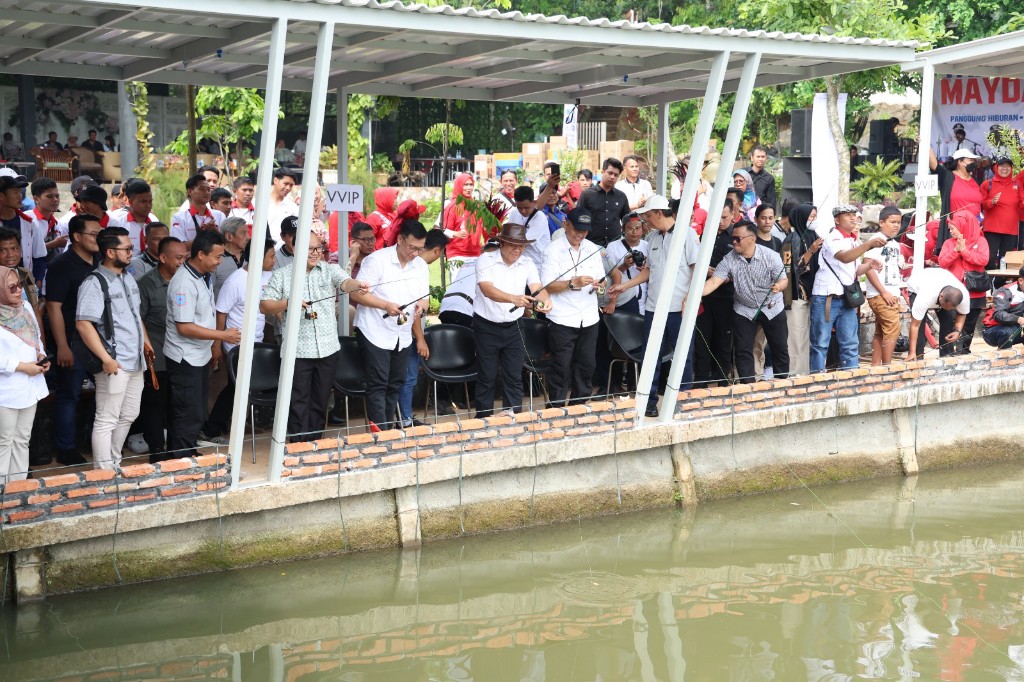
{"type": "Point", "coordinates": [898, 580]}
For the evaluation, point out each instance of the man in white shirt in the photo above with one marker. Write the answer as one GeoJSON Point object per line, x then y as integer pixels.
{"type": "Point", "coordinates": [242, 205]}
{"type": "Point", "coordinates": [502, 278]}
{"type": "Point", "coordinates": [829, 309]}
{"type": "Point", "coordinates": [399, 291]}
{"type": "Point", "coordinates": [575, 273]}
{"type": "Point", "coordinates": [212, 175]}
{"type": "Point", "coordinates": [884, 287]}
{"type": "Point", "coordinates": [936, 289]}
{"type": "Point", "coordinates": [186, 224]}
{"type": "Point", "coordinates": [636, 189]}
{"type": "Point", "coordinates": [281, 205]}
{"type": "Point", "coordinates": [136, 216]}
{"type": "Point", "coordinates": [536, 221]}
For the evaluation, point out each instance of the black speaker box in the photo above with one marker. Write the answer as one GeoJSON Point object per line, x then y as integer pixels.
{"type": "Point", "coordinates": [801, 137]}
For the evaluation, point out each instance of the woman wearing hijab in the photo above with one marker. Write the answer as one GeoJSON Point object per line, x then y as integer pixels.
{"type": "Point", "coordinates": [966, 250]}
{"type": "Point", "coordinates": [741, 180]}
{"type": "Point", "coordinates": [798, 249]}
{"type": "Point", "coordinates": [384, 215]}
{"type": "Point", "coordinates": [466, 234]}
{"type": "Point", "coordinates": [958, 190]}
{"type": "Point", "coordinates": [21, 379]}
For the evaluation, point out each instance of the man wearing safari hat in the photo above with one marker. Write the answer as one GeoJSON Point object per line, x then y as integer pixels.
{"type": "Point", "coordinates": [502, 278]}
{"type": "Point", "coordinates": [574, 271]}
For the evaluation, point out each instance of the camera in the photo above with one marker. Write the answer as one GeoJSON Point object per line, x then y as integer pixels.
{"type": "Point", "coordinates": [638, 257]}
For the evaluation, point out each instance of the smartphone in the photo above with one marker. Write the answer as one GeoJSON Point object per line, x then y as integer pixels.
{"type": "Point", "coordinates": [556, 171]}
{"type": "Point", "coordinates": [47, 359]}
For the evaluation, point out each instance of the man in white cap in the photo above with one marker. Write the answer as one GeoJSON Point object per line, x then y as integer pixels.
{"type": "Point", "coordinates": [662, 221]}
{"type": "Point", "coordinates": [502, 278]}
{"type": "Point", "coordinates": [829, 309]}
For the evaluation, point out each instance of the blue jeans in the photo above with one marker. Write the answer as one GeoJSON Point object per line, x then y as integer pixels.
{"type": "Point", "coordinates": [65, 406]}
{"type": "Point", "coordinates": [412, 375]}
{"type": "Point", "coordinates": [1003, 336]}
{"type": "Point", "coordinates": [846, 321]}
{"type": "Point", "coordinates": [668, 345]}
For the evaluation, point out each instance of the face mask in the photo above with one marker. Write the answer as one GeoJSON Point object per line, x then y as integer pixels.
{"type": "Point", "coordinates": [971, 167]}
{"type": "Point", "coordinates": [813, 225]}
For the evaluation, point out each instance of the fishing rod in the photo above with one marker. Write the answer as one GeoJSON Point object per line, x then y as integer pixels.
{"type": "Point", "coordinates": [775, 281]}
{"type": "Point", "coordinates": [574, 266]}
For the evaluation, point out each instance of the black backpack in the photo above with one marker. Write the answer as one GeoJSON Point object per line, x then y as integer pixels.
{"type": "Point", "coordinates": [88, 359]}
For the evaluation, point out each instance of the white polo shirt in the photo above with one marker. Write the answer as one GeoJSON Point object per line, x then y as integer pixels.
{"type": "Point", "coordinates": [136, 230]}
{"type": "Point", "coordinates": [231, 302]}
{"type": "Point", "coordinates": [635, 190]}
{"type": "Point", "coordinates": [390, 281]}
{"type": "Point", "coordinates": [573, 308]}
{"type": "Point", "coordinates": [825, 282]}
{"type": "Point", "coordinates": [33, 236]}
{"type": "Point", "coordinates": [458, 297]}
{"type": "Point", "coordinates": [927, 283]}
{"type": "Point", "coordinates": [186, 224]}
{"type": "Point", "coordinates": [536, 229]}
{"type": "Point", "coordinates": [510, 279]}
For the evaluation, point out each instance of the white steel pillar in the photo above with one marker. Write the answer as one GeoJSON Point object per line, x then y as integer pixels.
{"type": "Point", "coordinates": [701, 138]}
{"type": "Point", "coordinates": [129, 128]}
{"type": "Point", "coordinates": [343, 237]}
{"type": "Point", "coordinates": [923, 159]}
{"type": "Point", "coordinates": [707, 244]}
{"type": "Point", "coordinates": [663, 183]}
{"type": "Point", "coordinates": [275, 66]}
{"type": "Point", "coordinates": [314, 136]}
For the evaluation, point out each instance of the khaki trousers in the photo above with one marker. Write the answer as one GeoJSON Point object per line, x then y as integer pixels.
{"type": "Point", "coordinates": [15, 433]}
{"type": "Point", "coordinates": [118, 398]}
{"type": "Point", "coordinates": [798, 319]}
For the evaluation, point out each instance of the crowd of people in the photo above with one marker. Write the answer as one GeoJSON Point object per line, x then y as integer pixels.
{"type": "Point", "coordinates": [146, 310]}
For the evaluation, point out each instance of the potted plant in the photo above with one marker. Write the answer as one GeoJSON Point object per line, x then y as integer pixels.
{"type": "Point", "coordinates": [329, 165]}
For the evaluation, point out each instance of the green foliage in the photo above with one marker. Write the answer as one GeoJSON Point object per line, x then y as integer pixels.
{"type": "Point", "coordinates": [570, 162]}
{"type": "Point", "coordinates": [359, 175]}
{"type": "Point", "coordinates": [138, 98]}
{"type": "Point", "coordinates": [229, 116]}
{"type": "Point", "coordinates": [329, 158]}
{"type": "Point", "coordinates": [168, 185]}
{"type": "Point", "coordinates": [436, 135]}
{"type": "Point", "coordinates": [1007, 141]}
{"type": "Point", "coordinates": [878, 181]}
{"type": "Point", "coordinates": [358, 105]}
{"type": "Point", "coordinates": [382, 164]}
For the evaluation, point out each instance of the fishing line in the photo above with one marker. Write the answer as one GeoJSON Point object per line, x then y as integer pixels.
{"type": "Point", "coordinates": [341, 510]}
{"type": "Point", "coordinates": [575, 265]}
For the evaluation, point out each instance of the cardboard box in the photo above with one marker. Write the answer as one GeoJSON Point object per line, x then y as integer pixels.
{"type": "Point", "coordinates": [557, 142]}
{"type": "Point", "coordinates": [534, 163]}
{"type": "Point", "coordinates": [483, 165]}
{"type": "Point", "coordinates": [1014, 260]}
{"type": "Point", "coordinates": [535, 149]}
{"type": "Point", "coordinates": [591, 161]}
{"type": "Point", "coordinates": [618, 149]}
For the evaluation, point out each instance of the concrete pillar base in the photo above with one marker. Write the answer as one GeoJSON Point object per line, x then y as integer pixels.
{"type": "Point", "coordinates": [30, 574]}
{"type": "Point", "coordinates": [408, 512]}
{"type": "Point", "coordinates": [682, 475]}
{"type": "Point", "coordinates": [905, 445]}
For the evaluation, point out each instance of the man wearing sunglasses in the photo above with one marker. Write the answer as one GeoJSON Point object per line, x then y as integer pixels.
{"type": "Point", "coordinates": [758, 279]}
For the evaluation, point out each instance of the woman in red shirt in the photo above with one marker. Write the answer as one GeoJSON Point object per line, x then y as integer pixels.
{"type": "Point", "coordinates": [384, 215]}
{"type": "Point", "coordinates": [466, 234]}
{"type": "Point", "coordinates": [965, 250]}
{"type": "Point", "coordinates": [957, 188]}
{"type": "Point", "coordinates": [1003, 202]}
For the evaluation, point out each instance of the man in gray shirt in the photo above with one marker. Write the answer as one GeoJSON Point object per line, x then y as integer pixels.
{"type": "Point", "coordinates": [236, 236]}
{"type": "Point", "coordinates": [758, 279]}
{"type": "Point", "coordinates": [119, 385]}
{"type": "Point", "coordinates": [191, 331]}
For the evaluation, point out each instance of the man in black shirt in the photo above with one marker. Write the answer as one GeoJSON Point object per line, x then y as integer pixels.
{"type": "Point", "coordinates": [607, 206]}
{"type": "Point", "coordinates": [92, 144]}
{"type": "Point", "coordinates": [63, 278]}
{"type": "Point", "coordinates": [712, 361]}
{"type": "Point", "coordinates": [764, 181]}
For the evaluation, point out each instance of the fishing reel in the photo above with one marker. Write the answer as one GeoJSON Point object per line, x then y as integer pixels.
{"type": "Point", "coordinates": [638, 257]}
{"type": "Point", "coordinates": [309, 314]}
{"type": "Point", "coordinates": [401, 318]}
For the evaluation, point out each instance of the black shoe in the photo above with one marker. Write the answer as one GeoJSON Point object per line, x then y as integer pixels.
{"type": "Point", "coordinates": [651, 411]}
{"type": "Point", "coordinates": [70, 458]}
{"type": "Point", "coordinates": [39, 460]}
{"type": "Point", "coordinates": [336, 419]}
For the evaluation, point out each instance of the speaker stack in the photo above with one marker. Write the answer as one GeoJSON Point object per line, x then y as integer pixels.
{"type": "Point", "coordinates": [796, 169]}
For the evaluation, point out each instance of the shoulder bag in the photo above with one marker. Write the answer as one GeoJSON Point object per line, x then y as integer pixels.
{"type": "Point", "coordinates": [89, 361]}
{"type": "Point", "coordinates": [852, 293]}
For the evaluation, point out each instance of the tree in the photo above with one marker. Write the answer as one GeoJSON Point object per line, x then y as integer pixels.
{"type": "Point", "coordinates": [853, 18]}
{"type": "Point", "coordinates": [229, 116]}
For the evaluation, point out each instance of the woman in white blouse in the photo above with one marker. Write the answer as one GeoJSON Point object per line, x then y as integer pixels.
{"type": "Point", "coordinates": [21, 376]}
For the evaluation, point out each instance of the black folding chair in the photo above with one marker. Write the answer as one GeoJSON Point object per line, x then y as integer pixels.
{"type": "Point", "coordinates": [626, 342]}
{"type": "Point", "coordinates": [452, 358]}
{"type": "Point", "coordinates": [266, 371]}
{"type": "Point", "coordinates": [538, 355]}
{"type": "Point", "coordinates": [350, 373]}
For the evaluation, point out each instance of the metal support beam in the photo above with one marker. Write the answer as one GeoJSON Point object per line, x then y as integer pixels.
{"type": "Point", "coordinates": [128, 129]}
{"type": "Point", "coordinates": [415, 63]}
{"type": "Point", "coordinates": [923, 160]}
{"type": "Point", "coordinates": [70, 35]}
{"type": "Point", "coordinates": [344, 324]}
{"type": "Point", "coordinates": [305, 54]}
{"type": "Point", "coordinates": [268, 139]}
{"type": "Point", "coordinates": [202, 48]}
{"type": "Point", "coordinates": [314, 137]}
{"type": "Point", "coordinates": [661, 179]}
{"type": "Point", "coordinates": [27, 112]}
{"type": "Point", "coordinates": [732, 145]}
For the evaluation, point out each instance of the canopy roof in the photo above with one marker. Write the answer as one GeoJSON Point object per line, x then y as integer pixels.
{"type": "Point", "coordinates": [394, 49]}
{"type": "Point", "coordinates": [999, 56]}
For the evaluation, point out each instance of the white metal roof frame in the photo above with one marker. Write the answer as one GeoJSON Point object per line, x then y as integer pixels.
{"type": "Point", "coordinates": [412, 51]}
{"type": "Point", "coordinates": [999, 56]}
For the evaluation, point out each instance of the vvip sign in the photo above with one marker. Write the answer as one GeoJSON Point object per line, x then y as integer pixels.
{"type": "Point", "coordinates": [926, 185]}
{"type": "Point", "coordinates": [344, 197]}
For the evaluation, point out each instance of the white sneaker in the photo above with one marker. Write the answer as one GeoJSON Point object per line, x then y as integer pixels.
{"type": "Point", "coordinates": [769, 373]}
{"type": "Point", "coordinates": [508, 413]}
{"type": "Point", "coordinates": [137, 444]}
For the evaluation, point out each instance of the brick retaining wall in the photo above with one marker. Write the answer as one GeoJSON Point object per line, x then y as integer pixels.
{"type": "Point", "coordinates": [72, 494]}
{"type": "Point", "coordinates": [328, 456]}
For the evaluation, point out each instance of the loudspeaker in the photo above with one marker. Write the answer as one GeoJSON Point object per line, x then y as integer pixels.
{"type": "Point", "coordinates": [801, 132]}
{"type": "Point", "coordinates": [882, 138]}
{"type": "Point", "coordinates": [796, 173]}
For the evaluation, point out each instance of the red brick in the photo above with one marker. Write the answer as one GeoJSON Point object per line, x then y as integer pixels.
{"type": "Point", "coordinates": [553, 434]}
{"type": "Point", "coordinates": [552, 413]}
{"type": "Point", "coordinates": [427, 442]}
{"type": "Point", "coordinates": [172, 492]}
{"type": "Point", "coordinates": [697, 394]}
{"type": "Point", "coordinates": [327, 444]}
{"type": "Point", "coordinates": [524, 417]}
{"type": "Point", "coordinates": [10, 504]}
{"type": "Point", "coordinates": [24, 516]}
{"type": "Point", "coordinates": [498, 420]}
{"type": "Point", "coordinates": [319, 458]}
{"type": "Point", "coordinates": [59, 480]}
{"type": "Point", "coordinates": [375, 450]}
{"type": "Point", "coordinates": [472, 424]}
{"type": "Point", "coordinates": [485, 434]}
{"type": "Point", "coordinates": [175, 465]}
{"type": "Point", "coordinates": [796, 391]}
{"type": "Point", "coordinates": [83, 492]}
{"type": "Point", "coordinates": [66, 508]}
{"type": "Point", "coordinates": [393, 434]}
{"type": "Point", "coordinates": [139, 498]}
{"type": "Point", "coordinates": [804, 380]}
{"type": "Point", "coordinates": [216, 485]}
{"type": "Point", "coordinates": [157, 482]}
{"type": "Point", "coordinates": [43, 499]}
{"type": "Point", "coordinates": [502, 443]}
{"type": "Point", "coordinates": [295, 449]}
{"type": "Point", "coordinates": [446, 427]}
{"type": "Point", "coordinates": [1015, 362]}
{"type": "Point", "coordinates": [301, 471]}
{"type": "Point", "coordinates": [562, 423]}
{"type": "Point", "coordinates": [393, 459]}
{"type": "Point", "coordinates": [576, 410]}
{"type": "Point", "coordinates": [722, 391]}
{"type": "Point", "coordinates": [99, 475]}
{"type": "Point", "coordinates": [99, 504]}
{"type": "Point", "coordinates": [330, 469]}
{"type": "Point", "coordinates": [23, 486]}
{"type": "Point", "coordinates": [760, 386]}
{"type": "Point", "coordinates": [359, 439]}
{"type": "Point", "coordinates": [362, 463]}
{"type": "Point", "coordinates": [422, 454]}
{"type": "Point", "coordinates": [417, 431]}
{"type": "Point", "coordinates": [137, 470]}
{"type": "Point", "coordinates": [479, 445]}
{"type": "Point", "coordinates": [179, 478]}
{"type": "Point", "coordinates": [292, 461]}
{"type": "Point", "coordinates": [350, 454]}
{"type": "Point", "coordinates": [450, 450]}
{"type": "Point", "coordinates": [516, 430]}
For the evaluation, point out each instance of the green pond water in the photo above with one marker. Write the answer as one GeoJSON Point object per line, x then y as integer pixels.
{"type": "Point", "coordinates": [916, 579]}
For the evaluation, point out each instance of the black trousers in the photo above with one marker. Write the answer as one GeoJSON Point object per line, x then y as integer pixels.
{"type": "Point", "coordinates": [385, 374]}
{"type": "Point", "coordinates": [713, 342]}
{"type": "Point", "coordinates": [311, 387]}
{"type": "Point", "coordinates": [776, 333]}
{"type": "Point", "coordinates": [573, 351]}
{"type": "Point", "coordinates": [998, 245]}
{"type": "Point", "coordinates": [190, 389]}
{"type": "Point", "coordinates": [452, 317]}
{"type": "Point", "coordinates": [155, 413]}
{"type": "Point", "coordinates": [219, 420]}
{"type": "Point", "coordinates": [499, 348]}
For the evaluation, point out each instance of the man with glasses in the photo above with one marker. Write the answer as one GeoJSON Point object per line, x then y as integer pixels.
{"type": "Point", "coordinates": [361, 244]}
{"type": "Point", "coordinates": [318, 346]}
{"type": "Point", "coordinates": [119, 385]}
{"type": "Point", "coordinates": [758, 278]}
{"type": "Point", "coordinates": [63, 279]}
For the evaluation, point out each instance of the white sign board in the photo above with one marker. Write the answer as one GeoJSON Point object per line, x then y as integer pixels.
{"type": "Point", "coordinates": [571, 126]}
{"type": "Point", "coordinates": [926, 185]}
{"type": "Point", "coordinates": [344, 197]}
{"type": "Point", "coordinates": [973, 112]}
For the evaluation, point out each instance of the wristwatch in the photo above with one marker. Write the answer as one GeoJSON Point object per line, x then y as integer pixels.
{"type": "Point", "coordinates": [572, 287]}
